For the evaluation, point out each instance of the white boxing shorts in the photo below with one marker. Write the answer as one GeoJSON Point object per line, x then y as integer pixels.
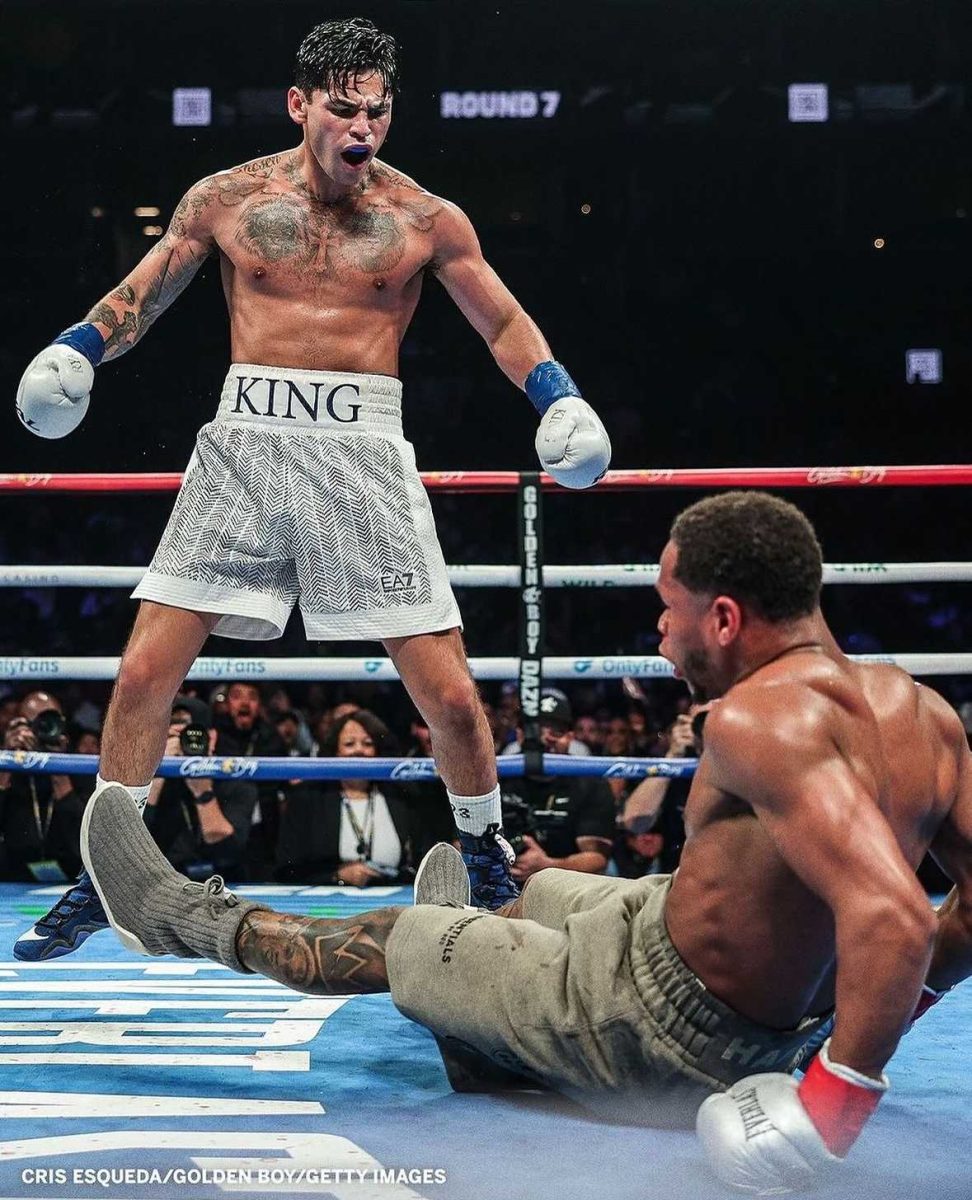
{"type": "Point", "coordinates": [304, 488]}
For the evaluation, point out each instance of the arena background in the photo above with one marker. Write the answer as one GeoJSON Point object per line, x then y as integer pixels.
{"type": "Point", "coordinates": [723, 302]}
{"type": "Point", "coordinates": [710, 272]}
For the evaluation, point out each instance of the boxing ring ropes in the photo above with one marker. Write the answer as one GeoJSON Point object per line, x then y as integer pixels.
{"type": "Point", "coordinates": [532, 667]}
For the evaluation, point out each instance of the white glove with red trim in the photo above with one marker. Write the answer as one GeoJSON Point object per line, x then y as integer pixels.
{"type": "Point", "coordinates": [770, 1135]}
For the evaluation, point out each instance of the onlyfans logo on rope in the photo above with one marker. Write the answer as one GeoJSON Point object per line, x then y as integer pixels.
{"type": "Point", "coordinates": [29, 668]}
{"type": "Point", "coordinates": [225, 768]}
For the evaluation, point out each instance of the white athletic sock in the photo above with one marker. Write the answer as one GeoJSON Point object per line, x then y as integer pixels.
{"type": "Point", "coordinates": [138, 793]}
{"type": "Point", "coordinates": [474, 813]}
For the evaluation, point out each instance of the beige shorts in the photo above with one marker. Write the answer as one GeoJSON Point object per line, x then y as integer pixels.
{"type": "Point", "coordinates": [304, 489]}
{"type": "Point", "coordinates": [587, 996]}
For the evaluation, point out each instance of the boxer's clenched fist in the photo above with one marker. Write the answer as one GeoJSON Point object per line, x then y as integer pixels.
{"type": "Point", "coordinates": [55, 389]}
{"type": "Point", "coordinates": [572, 443]}
{"type": "Point", "coordinates": [770, 1135]}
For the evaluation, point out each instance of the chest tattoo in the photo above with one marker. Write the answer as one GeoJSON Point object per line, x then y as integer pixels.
{"type": "Point", "coordinates": [317, 241]}
{"type": "Point", "coordinates": [373, 242]}
{"type": "Point", "coordinates": [277, 229]}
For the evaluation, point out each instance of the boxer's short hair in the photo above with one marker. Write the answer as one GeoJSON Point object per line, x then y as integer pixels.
{"type": "Point", "coordinates": [754, 547]}
{"type": "Point", "coordinates": [336, 52]}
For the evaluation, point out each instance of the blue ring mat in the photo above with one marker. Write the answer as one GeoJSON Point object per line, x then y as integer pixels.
{"type": "Point", "coordinates": [115, 1063]}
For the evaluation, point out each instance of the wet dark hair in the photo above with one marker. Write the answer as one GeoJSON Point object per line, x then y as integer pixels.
{"type": "Point", "coordinates": [754, 547]}
{"type": "Point", "coordinates": [375, 727]}
{"type": "Point", "coordinates": [338, 51]}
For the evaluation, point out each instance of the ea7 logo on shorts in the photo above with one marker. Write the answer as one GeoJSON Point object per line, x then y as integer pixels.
{"type": "Point", "coordinates": [398, 581]}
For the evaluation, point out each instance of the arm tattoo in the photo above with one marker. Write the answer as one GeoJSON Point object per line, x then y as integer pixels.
{"type": "Point", "coordinates": [117, 312]}
{"type": "Point", "coordinates": [124, 313]}
{"type": "Point", "coordinates": [324, 957]}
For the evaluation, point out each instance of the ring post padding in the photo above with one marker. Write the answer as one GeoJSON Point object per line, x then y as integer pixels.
{"type": "Point", "coordinates": [529, 518]}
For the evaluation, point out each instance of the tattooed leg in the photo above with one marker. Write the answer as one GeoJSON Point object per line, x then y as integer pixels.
{"type": "Point", "coordinates": [513, 910]}
{"type": "Point", "coordinates": [322, 956]}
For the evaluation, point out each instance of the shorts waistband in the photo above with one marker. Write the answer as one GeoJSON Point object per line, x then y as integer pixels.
{"type": "Point", "coordinates": [712, 1038]}
{"type": "Point", "coordinates": [284, 398]}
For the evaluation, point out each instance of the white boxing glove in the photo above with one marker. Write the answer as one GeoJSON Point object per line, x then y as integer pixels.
{"type": "Point", "coordinates": [572, 444]}
{"type": "Point", "coordinates": [759, 1138]}
{"type": "Point", "coordinates": [770, 1135]}
{"type": "Point", "coordinates": [54, 391]}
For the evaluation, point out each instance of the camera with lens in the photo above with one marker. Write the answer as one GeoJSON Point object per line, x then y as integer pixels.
{"type": "Point", "coordinates": [521, 820]}
{"type": "Point", "coordinates": [194, 740]}
{"type": "Point", "coordinates": [49, 728]}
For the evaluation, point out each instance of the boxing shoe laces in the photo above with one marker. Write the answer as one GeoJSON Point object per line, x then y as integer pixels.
{"type": "Point", "coordinates": [73, 919]}
{"type": "Point", "coordinates": [216, 894]}
{"type": "Point", "coordinates": [488, 859]}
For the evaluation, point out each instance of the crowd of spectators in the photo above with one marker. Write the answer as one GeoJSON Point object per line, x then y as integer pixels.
{"type": "Point", "coordinates": [350, 831]}
{"type": "Point", "coordinates": [355, 831]}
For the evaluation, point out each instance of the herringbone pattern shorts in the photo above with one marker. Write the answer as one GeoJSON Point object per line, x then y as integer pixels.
{"type": "Point", "coordinates": [269, 514]}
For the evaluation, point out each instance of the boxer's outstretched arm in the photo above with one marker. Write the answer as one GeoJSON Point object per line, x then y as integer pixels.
{"type": "Point", "coordinates": [126, 313]}
{"type": "Point", "coordinates": [572, 444]}
{"type": "Point", "coordinates": [321, 956]}
{"type": "Point", "coordinates": [484, 300]}
{"type": "Point", "coordinates": [780, 757]}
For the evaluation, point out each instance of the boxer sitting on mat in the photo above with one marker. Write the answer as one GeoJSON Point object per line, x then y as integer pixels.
{"type": "Point", "coordinates": [820, 787]}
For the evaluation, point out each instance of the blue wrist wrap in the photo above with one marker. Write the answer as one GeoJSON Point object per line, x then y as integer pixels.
{"type": "Point", "coordinates": [85, 339]}
{"type": "Point", "coordinates": [547, 383]}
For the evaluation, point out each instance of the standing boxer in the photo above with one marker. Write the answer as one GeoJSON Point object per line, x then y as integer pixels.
{"type": "Point", "coordinates": [303, 487]}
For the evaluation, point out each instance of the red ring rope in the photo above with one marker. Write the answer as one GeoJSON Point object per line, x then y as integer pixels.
{"type": "Point", "coordinates": [506, 481]}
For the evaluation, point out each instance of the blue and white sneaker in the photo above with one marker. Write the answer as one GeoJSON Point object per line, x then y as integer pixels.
{"type": "Point", "coordinates": [73, 919]}
{"type": "Point", "coordinates": [488, 859]}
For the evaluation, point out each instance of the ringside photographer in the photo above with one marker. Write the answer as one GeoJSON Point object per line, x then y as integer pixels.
{"type": "Point", "coordinates": [187, 816]}
{"type": "Point", "coordinates": [40, 815]}
{"type": "Point", "coordinates": [553, 822]}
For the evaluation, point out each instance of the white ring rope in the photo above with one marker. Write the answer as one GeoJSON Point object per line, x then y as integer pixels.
{"type": "Point", "coordinates": [488, 575]}
{"type": "Point", "coordinates": [324, 670]}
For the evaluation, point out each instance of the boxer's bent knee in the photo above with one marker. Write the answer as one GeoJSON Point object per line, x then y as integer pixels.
{"type": "Point", "coordinates": [456, 707]}
{"type": "Point", "coordinates": [146, 672]}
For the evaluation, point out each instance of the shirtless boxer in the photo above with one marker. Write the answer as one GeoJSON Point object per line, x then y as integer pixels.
{"type": "Point", "coordinates": [303, 486]}
{"type": "Point", "coordinates": [821, 785]}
